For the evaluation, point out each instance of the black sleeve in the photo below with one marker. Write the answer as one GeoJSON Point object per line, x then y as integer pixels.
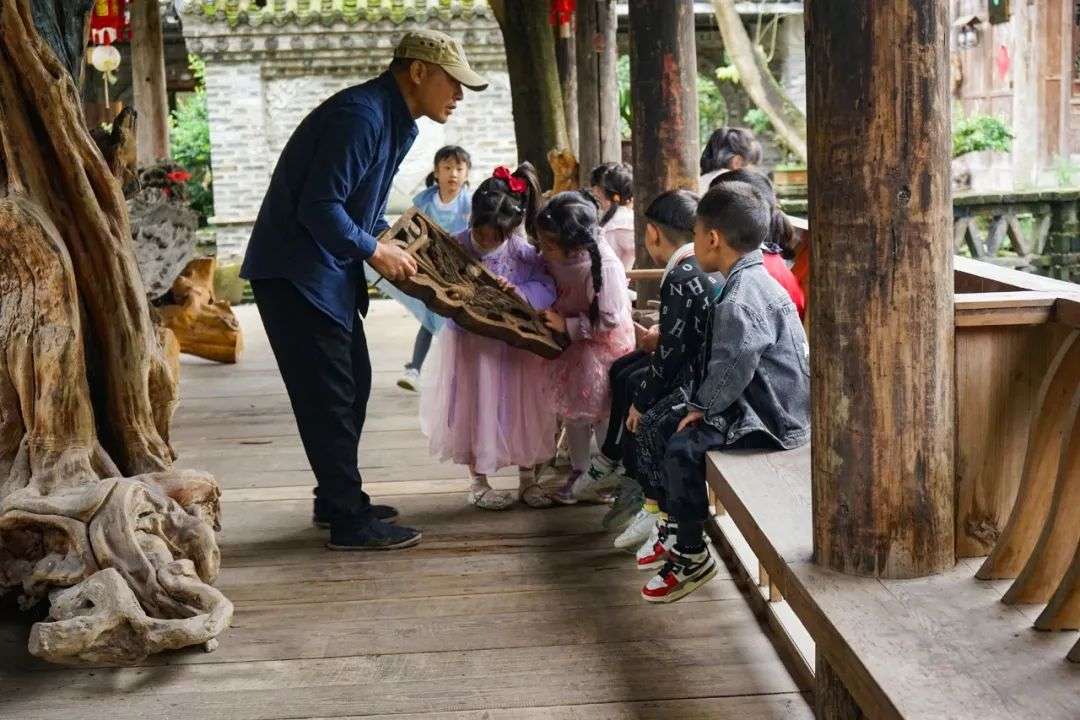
{"type": "Point", "coordinates": [678, 303]}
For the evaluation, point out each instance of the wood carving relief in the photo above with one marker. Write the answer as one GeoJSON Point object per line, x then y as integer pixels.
{"type": "Point", "coordinates": [454, 285]}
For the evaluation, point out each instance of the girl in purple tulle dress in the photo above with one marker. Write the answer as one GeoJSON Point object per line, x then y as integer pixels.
{"type": "Point", "coordinates": [593, 308]}
{"type": "Point", "coordinates": [481, 403]}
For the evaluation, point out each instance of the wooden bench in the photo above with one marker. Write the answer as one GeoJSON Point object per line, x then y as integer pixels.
{"type": "Point", "coordinates": [933, 648]}
{"type": "Point", "coordinates": [951, 645]}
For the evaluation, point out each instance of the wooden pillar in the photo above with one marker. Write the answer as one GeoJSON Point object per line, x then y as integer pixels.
{"type": "Point", "coordinates": [565, 56]}
{"type": "Point", "coordinates": [148, 81]}
{"type": "Point", "coordinates": [881, 300]}
{"type": "Point", "coordinates": [663, 82]}
{"type": "Point", "coordinates": [598, 85]}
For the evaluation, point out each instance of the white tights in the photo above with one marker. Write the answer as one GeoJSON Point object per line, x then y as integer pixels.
{"type": "Point", "coordinates": [579, 437]}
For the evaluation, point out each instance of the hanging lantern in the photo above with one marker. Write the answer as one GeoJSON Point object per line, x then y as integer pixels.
{"type": "Point", "coordinates": [104, 58]}
{"type": "Point", "coordinates": [562, 11]}
{"type": "Point", "coordinates": [108, 22]}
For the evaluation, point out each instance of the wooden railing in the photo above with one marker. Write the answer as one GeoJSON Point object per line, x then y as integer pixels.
{"type": "Point", "coordinates": [1035, 231]}
{"type": "Point", "coordinates": [937, 647]}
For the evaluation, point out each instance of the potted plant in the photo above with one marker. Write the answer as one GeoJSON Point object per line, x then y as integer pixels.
{"type": "Point", "coordinates": [974, 137]}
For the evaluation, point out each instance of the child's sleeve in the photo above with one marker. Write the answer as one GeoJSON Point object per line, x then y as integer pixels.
{"type": "Point", "coordinates": [613, 306]}
{"type": "Point", "coordinates": [538, 288]}
{"type": "Point", "coordinates": [677, 305]}
{"type": "Point", "coordinates": [738, 341]}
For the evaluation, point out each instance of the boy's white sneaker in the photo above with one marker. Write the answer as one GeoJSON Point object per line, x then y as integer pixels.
{"type": "Point", "coordinates": [596, 484]}
{"type": "Point", "coordinates": [410, 380]}
{"type": "Point", "coordinates": [654, 551]}
{"type": "Point", "coordinates": [637, 531]}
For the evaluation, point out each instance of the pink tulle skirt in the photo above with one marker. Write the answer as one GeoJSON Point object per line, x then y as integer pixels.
{"type": "Point", "coordinates": [483, 404]}
{"type": "Point", "coordinates": [580, 388]}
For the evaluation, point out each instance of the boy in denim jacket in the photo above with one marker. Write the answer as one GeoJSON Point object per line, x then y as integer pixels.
{"type": "Point", "coordinates": [752, 388]}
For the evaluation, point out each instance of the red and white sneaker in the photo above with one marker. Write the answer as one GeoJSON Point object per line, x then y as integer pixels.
{"type": "Point", "coordinates": [654, 552]}
{"type": "Point", "coordinates": [680, 576]}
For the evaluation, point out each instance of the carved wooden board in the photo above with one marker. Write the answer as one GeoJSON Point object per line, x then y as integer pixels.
{"type": "Point", "coordinates": [455, 286]}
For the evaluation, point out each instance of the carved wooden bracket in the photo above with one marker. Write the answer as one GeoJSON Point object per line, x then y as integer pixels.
{"type": "Point", "coordinates": [455, 286]}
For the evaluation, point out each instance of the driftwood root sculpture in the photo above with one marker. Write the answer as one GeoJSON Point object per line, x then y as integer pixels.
{"type": "Point", "coordinates": [454, 285]}
{"type": "Point", "coordinates": [93, 519]}
{"type": "Point", "coordinates": [205, 326]}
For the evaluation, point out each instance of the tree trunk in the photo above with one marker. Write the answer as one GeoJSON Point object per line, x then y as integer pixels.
{"type": "Point", "coordinates": [880, 214]}
{"type": "Point", "coordinates": [140, 548]}
{"type": "Point", "coordinates": [148, 81]}
{"type": "Point", "coordinates": [566, 56]}
{"type": "Point", "coordinates": [600, 136]}
{"type": "Point", "coordinates": [755, 76]}
{"type": "Point", "coordinates": [539, 121]}
{"type": "Point", "coordinates": [663, 82]}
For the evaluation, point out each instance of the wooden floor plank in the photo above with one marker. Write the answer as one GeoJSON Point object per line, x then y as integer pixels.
{"type": "Point", "coordinates": [522, 615]}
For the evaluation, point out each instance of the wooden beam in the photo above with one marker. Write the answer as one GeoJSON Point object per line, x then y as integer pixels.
{"type": "Point", "coordinates": [663, 81]}
{"type": "Point", "coordinates": [148, 81]}
{"type": "Point", "coordinates": [597, 58]}
{"type": "Point", "coordinates": [1003, 308]}
{"type": "Point", "coordinates": [566, 59]}
{"type": "Point", "coordinates": [881, 304]}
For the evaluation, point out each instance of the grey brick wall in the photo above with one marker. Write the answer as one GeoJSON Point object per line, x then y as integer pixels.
{"type": "Point", "coordinates": [262, 80]}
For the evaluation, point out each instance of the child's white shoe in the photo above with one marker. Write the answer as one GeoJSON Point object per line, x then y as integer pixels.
{"type": "Point", "coordinates": [596, 484]}
{"type": "Point", "coordinates": [653, 553]}
{"type": "Point", "coordinates": [637, 531]}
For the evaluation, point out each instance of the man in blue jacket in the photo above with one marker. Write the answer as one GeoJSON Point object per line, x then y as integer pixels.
{"type": "Point", "coordinates": [318, 224]}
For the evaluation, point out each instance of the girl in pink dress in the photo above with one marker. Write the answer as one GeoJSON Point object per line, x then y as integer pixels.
{"type": "Point", "coordinates": [613, 188]}
{"type": "Point", "coordinates": [593, 309]}
{"type": "Point", "coordinates": [480, 403]}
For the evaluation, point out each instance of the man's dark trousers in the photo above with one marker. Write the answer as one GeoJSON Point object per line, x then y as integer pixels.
{"type": "Point", "coordinates": [327, 373]}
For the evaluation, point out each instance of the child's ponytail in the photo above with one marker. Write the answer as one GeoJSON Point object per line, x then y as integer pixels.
{"type": "Point", "coordinates": [527, 172]}
{"type": "Point", "coordinates": [597, 280]}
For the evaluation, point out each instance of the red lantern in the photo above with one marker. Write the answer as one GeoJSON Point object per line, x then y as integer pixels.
{"type": "Point", "coordinates": [562, 11]}
{"type": "Point", "coordinates": [108, 22]}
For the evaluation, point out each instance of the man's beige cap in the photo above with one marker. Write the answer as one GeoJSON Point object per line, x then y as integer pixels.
{"type": "Point", "coordinates": [440, 49]}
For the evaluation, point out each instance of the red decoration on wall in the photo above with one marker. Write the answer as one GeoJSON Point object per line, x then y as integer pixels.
{"type": "Point", "coordinates": [1003, 62]}
{"type": "Point", "coordinates": [109, 22]}
{"type": "Point", "coordinates": [562, 11]}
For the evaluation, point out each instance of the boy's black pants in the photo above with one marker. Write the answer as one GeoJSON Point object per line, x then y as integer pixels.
{"type": "Point", "coordinates": [327, 373]}
{"type": "Point", "coordinates": [625, 377]}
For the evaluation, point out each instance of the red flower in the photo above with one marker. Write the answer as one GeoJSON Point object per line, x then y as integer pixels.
{"type": "Point", "coordinates": [178, 176]}
{"type": "Point", "coordinates": [516, 184]}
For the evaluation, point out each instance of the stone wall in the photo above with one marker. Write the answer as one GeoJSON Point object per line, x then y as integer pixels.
{"type": "Point", "coordinates": [267, 67]}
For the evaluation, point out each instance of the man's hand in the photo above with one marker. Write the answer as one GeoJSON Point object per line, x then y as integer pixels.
{"type": "Point", "coordinates": [555, 322]}
{"type": "Point", "coordinates": [633, 418]}
{"type": "Point", "coordinates": [692, 418]}
{"type": "Point", "coordinates": [392, 262]}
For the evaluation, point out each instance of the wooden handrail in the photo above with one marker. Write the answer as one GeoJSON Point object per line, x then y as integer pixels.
{"type": "Point", "coordinates": [645, 274]}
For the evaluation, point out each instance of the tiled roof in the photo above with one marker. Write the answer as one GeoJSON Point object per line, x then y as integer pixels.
{"type": "Point", "coordinates": [281, 12]}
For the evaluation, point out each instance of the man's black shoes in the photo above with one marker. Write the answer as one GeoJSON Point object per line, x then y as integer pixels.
{"type": "Point", "coordinates": [370, 534]}
{"type": "Point", "coordinates": [320, 516]}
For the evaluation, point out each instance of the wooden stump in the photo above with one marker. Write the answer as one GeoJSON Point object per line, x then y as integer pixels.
{"type": "Point", "coordinates": [93, 519]}
{"type": "Point", "coordinates": [204, 326]}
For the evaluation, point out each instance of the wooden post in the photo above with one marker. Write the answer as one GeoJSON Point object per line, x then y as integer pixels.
{"type": "Point", "coordinates": [598, 85]}
{"type": "Point", "coordinates": [881, 300]}
{"type": "Point", "coordinates": [663, 81]}
{"type": "Point", "coordinates": [565, 56]}
{"type": "Point", "coordinates": [148, 81]}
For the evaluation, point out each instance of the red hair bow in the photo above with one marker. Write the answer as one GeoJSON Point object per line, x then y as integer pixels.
{"type": "Point", "coordinates": [516, 184]}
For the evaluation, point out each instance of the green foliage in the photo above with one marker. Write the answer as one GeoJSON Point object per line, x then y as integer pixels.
{"type": "Point", "coordinates": [626, 108]}
{"type": "Point", "coordinates": [1065, 170]}
{"type": "Point", "coordinates": [980, 132]}
{"type": "Point", "coordinates": [728, 73]}
{"type": "Point", "coordinates": [712, 108]}
{"type": "Point", "coordinates": [758, 120]}
{"type": "Point", "coordinates": [189, 140]}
